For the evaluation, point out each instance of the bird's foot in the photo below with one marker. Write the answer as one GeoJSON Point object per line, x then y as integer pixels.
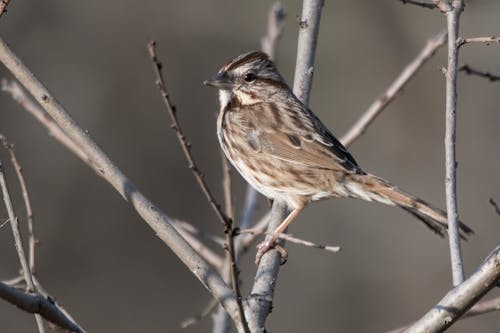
{"type": "Point", "coordinates": [270, 244]}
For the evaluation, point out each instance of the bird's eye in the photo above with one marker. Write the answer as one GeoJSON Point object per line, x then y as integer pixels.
{"type": "Point", "coordinates": [250, 77]}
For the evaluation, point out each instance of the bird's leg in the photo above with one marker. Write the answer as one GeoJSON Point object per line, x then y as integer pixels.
{"type": "Point", "coordinates": [270, 242]}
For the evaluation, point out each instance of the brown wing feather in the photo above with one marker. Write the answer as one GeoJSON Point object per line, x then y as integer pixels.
{"type": "Point", "coordinates": [297, 149]}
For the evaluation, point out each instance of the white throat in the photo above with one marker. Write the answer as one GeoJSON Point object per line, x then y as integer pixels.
{"type": "Point", "coordinates": [224, 98]}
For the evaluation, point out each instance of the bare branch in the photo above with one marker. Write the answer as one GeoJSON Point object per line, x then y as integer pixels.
{"type": "Point", "coordinates": [19, 95]}
{"type": "Point", "coordinates": [244, 241]}
{"type": "Point", "coordinates": [420, 3]}
{"type": "Point", "coordinates": [306, 48]}
{"type": "Point", "coordinates": [453, 19]}
{"type": "Point", "coordinates": [471, 71]}
{"type": "Point", "coordinates": [205, 312]}
{"type": "Point", "coordinates": [28, 277]}
{"type": "Point", "coordinates": [3, 6]}
{"type": "Point", "coordinates": [461, 298]}
{"type": "Point", "coordinates": [185, 145]}
{"type": "Point", "coordinates": [478, 309]}
{"type": "Point", "coordinates": [249, 208]}
{"type": "Point", "coordinates": [275, 26]}
{"type": "Point", "coordinates": [27, 201]}
{"type": "Point", "coordinates": [484, 40]}
{"type": "Point", "coordinates": [198, 233]}
{"type": "Point", "coordinates": [430, 48]}
{"type": "Point", "coordinates": [151, 214]}
{"type": "Point", "coordinates": [483, 307]}
{"type": "Point", "coordinates": [41, 306]}
{"type": "Point", "coordinates": [190, 235]}
{"type": "Point", "coordinates": [226, 185]}
{"type": "Point", "coordinates": [292, 239]}
{"type": "Point", "coordinates": [259, 303]}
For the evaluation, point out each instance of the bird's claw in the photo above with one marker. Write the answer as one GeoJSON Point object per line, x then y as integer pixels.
{"type": "Point", "coordinates": [268, 245]}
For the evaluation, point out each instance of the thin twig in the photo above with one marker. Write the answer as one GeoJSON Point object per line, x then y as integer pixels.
{"type": "Point", "coordinates": [453, 19]}
{"type": "Point", "coordinates": [198, 233]}
{"type": "Point", "coordinates": [261, 297]}
{"type": "Point", "coordinates": [292, 239]}
{"type": "Point", "coordinates": [420, 3]}
{"type": "Point", "coordinates": [151, 214]}
{"type": "Point", "coordinates": [3, 6]}
{"type": "Point", "coordinates": [483, 307]}
{"type": "Point", "coordinates": [221, 322]}
{"type": "Point", "coordinates": [40, 306]}
{"type": "Point", "coordinates": [495, 206]}
{"type": "Point", "coordinates": [484, 40]}
{"type": "Point", "coordinates": [189, 235]}
{"type": "Point", "coordinates": [27, 202]}
{"type": "Point", "coordinates": [186, 147]}
{"type": "Point", "coordinates": [246, 240]}
{"type": "Point", "coordinates": [430, 48]}
{"type": "Point", "coordinates": [19, 95]}
{"type": "Point", "coordinates": [306, 48]}
{"type": "Point", "coordinates": [28, 277]}
{"type": "Point", "coordinates": [275, 26]}
{"type": "Point", "coordinates": [226, 185]}
{"type": "Point", "coordinates": [461, 298]}
{"type": "Point", "coordinates": [471, 71]}
{"type": "Point", "coordinates": [196, 318]}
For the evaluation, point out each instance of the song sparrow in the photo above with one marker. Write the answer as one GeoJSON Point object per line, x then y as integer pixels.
{"type": "Point", "coordinates": [283, 150]}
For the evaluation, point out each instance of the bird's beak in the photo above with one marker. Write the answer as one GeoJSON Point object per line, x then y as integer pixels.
{"type": "Point", "coordinates": [220, 81]}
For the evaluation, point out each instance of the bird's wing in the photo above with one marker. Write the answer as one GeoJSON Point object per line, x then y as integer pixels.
{"type": "Point", "coordinates": [316, 151]}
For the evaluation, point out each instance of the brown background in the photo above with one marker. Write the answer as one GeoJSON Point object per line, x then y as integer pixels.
{"type": "Point", "coordinates": [108, 268]}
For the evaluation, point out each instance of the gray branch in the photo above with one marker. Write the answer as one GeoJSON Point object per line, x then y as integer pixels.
{"type": "Point", "coordinates": [306, 48]}
{"type": "Point", "coordinates": [41, 305]}
{"type": "Point", "coordinates": [379, 105]}
{"type": "Point", "coordinates": [261, 297]}
{"type": "Point", "coordinates": [461, 298]}
{"type": "Point", "coordinates": [28, 277]}
{"type": "Point", "coordinates": [152, 215]}
{"type": "Point", "coordinates": [453, 18]}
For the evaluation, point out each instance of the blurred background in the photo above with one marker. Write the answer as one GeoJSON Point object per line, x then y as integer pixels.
{"type": "Point", "coordinates": [107, 267]}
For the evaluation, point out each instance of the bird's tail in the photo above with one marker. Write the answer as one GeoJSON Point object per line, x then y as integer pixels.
{"type": "Point", "coordinates": [371, 188]}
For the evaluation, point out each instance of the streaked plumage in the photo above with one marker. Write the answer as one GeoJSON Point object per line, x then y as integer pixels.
{"type": "Point", "coordinates": [282, 149]}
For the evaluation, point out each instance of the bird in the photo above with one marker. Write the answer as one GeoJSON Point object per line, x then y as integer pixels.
{"type": "Point", "coordinates": [282, 149]}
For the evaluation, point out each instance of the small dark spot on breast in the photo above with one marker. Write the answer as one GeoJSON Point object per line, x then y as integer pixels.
{"type": "Point", "coordinates": [294, 140]}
